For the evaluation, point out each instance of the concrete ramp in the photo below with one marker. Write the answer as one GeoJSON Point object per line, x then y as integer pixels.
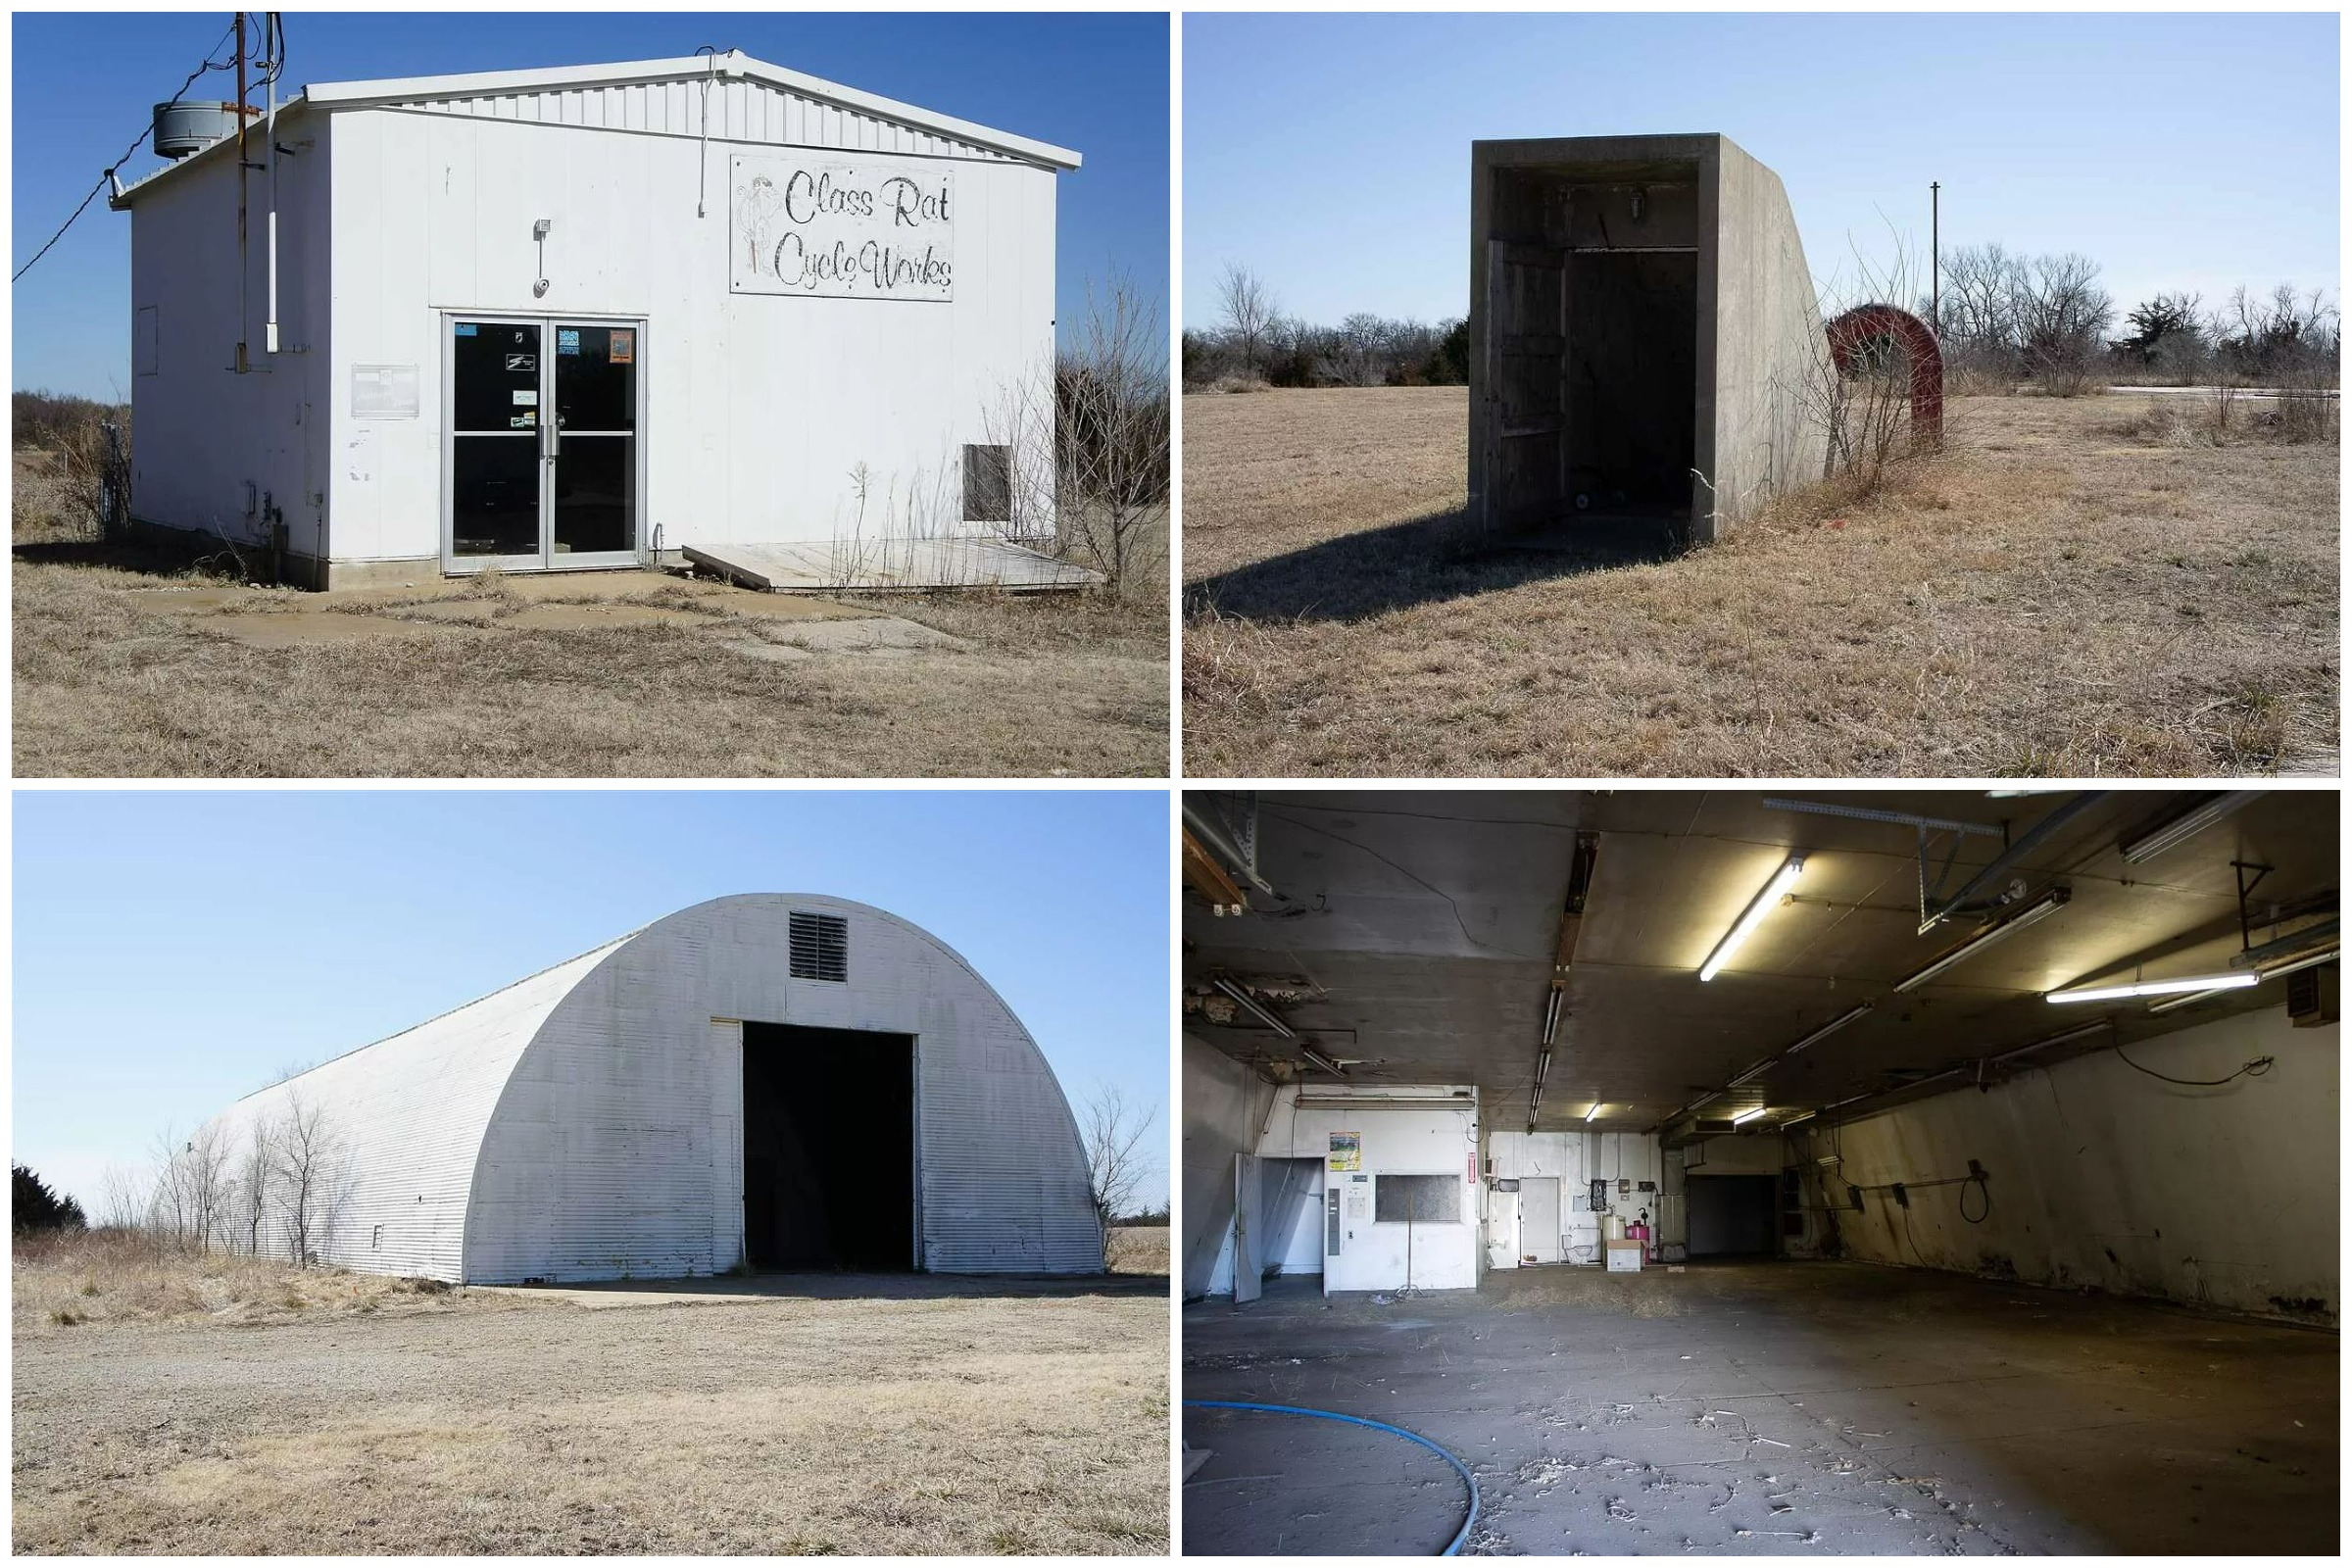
{"type": "Point", "coordinates": [891, 566]}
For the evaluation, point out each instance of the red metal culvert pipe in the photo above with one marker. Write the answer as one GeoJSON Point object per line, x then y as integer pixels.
{"type": "Point", "coordinates": [1853, 332]}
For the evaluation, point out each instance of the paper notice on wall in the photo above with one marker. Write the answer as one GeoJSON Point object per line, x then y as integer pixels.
{"type": "Point", "coordinates": [874, 229]}
{"type": "Point", "coordinates": [1347, 1151]}
{"type": "Point", "coordinates": [383, 392]}
{"type": "Point", "coordinates": [623, 350]}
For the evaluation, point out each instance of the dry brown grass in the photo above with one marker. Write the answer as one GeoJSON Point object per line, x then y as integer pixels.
{"type": "Point", "coordinates": [2054, 595]}
{"type": "Point", "coordinates": [1140, 1250]}
{"type": "Point", "coordinates": [80, 1282]}
{"type": "Point", "coordinates": [113, 680]}
{"type": "Point", "coordinates": [942, 1420]}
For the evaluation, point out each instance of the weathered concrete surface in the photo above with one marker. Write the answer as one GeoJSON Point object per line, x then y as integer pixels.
{"type": "Point", "coordinates": [1542, 211]}
{"type": "Point", "coordinates": [1768, 1408]}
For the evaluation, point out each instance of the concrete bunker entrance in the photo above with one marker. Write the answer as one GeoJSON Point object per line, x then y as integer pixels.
{"type": "Point", "coordinates": [1593, 330]}
{"type": "Point", "coordinates": [828, 1150]}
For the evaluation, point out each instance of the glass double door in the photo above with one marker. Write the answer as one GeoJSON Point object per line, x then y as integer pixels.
{"type": "Point", "coordinates": [543, 460]}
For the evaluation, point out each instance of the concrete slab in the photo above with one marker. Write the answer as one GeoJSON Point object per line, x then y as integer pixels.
{"type": "Point", "coordinates": [296, 628]}
{"type": "Point", "coordinates": [880, 634]}
{"type": "Point", "coordinates": [599, 618]}
{"type": "Point", "coordinates": [891, 565]}
{"type": "Point", "coordinates": [1764, 1409]}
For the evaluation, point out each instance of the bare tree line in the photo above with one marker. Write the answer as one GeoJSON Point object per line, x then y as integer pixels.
{"type": "Point", "coordinates": [278, 1192]}
{"type": "Point", "coordinates": [1253, 343]}
{"type": "Point", "coordinates": [2008, 317]}
{"type": "Point", "coordinates": [1118, 1159]}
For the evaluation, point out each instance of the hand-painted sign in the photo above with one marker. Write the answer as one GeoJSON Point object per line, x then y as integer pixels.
{"type": "Point", "coordinates": [866, 230]}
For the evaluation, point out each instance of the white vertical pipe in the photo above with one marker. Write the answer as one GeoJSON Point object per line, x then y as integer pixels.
{"type": "Point", "coordinates": [276, 62]}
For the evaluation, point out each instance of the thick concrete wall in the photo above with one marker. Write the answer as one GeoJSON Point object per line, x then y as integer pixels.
{"type": "Point", "coordinates": [2104, 1177]}
{"type": "Point", "coordinates": [1756, 337]}
{"type": "Point", "coordinates": [1767, 343]}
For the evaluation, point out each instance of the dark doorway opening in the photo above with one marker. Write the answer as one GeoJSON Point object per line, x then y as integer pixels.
{"type": "Point", "coordinates": [1633, 382]}
{"type": "Point", "coordinates": [828, 1148]}
{"type": "Point", "coordinates": [1734, 1216]}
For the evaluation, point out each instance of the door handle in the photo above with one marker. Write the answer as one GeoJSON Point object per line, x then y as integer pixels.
{"type": "Point", "coordinates": [555, 438]}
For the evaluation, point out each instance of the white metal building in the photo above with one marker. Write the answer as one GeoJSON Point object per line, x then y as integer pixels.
{"type": "Point", "coordinates": [561, 319]}
{"type": "Point", "coordinates": [777, 1080]}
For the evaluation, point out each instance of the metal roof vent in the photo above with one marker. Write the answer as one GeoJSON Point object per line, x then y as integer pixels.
{"type": "Point", "coordinates": [184, 128]}
{"type": "Point", "coordinates": [820, 947]}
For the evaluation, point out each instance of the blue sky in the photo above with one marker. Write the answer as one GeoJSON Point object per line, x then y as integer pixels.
{"type": "Point", "coordinates": [174, 949]}
{"type": "Point", "coordinates": [1332, 153]}
{"type": "Point", "coordinates": [84, 84]}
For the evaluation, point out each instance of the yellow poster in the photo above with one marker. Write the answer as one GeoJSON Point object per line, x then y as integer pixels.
{"type": "Point", "coordinates": [1346, 1151]}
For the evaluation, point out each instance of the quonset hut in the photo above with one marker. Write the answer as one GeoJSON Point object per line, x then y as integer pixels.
{"type": "Point", "coordinates": [780, 1081]}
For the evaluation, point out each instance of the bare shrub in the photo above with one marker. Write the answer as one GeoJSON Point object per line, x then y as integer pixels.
{"type": "Point", "coordinates": [1864, 406]}
{"type": "Point", "coordinates": [1091, 452]}
{"type": "Point", "coordinates": [1117, 1158]}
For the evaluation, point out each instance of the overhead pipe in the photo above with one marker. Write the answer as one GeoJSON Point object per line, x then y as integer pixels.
{"type": "Point", "coordinates": [2002, 864]}
{"type": "Point", "coordinates": [278, 52]}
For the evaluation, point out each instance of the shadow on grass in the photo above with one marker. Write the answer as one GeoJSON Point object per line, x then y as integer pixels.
{"type": "Point", "coordinates": [1424, 561]}
{"type": "Point", "coordinates": [148, 553]}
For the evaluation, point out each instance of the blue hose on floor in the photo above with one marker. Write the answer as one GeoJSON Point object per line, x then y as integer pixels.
{"type": "Point", "coordinates": [1452, 1547]}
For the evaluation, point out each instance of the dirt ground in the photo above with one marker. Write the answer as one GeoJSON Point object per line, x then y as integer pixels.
{"type": "Point", "coordinates": [829, 1415]}
{"type": "Point", "coordinates": [2077, 587]}
{"type": "Point", "coordinates": [129, 664]}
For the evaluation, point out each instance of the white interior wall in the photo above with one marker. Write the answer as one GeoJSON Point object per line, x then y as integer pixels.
{"type": "Point", "coordinates": [1575, 1159]}
{"type": "Point", "coordinates": [1374, 1254]}
{"type": "Point", "coordinates": [2102, 1176]}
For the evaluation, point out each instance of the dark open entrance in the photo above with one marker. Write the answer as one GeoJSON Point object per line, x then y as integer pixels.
{"type": "Point", "coordinates": [1632, 379]}
{"type": "Point", "coordinates": [1591, 339]}
{"type": "Point", "coordinates": [828, 1148]}
{"type": "Point", "coordinates": [1734, 1216]}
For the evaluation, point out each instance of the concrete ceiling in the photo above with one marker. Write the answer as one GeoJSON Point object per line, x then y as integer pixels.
{"type": "Point", "coordinates": [1412, 934]}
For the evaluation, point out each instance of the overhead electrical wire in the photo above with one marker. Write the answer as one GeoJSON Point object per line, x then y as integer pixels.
{"type": "Point", "coordinates": [210, 64]}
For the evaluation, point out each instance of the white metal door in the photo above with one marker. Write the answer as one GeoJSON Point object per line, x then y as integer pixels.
{"type": "Point", "coordinates": [1539, 1219]}
{"type": "Point", "coordinates": [1248, 1196]}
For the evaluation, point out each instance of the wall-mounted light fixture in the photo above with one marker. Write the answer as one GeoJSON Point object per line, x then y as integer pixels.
{"type": "Point", "coordinates": [1752, 916]}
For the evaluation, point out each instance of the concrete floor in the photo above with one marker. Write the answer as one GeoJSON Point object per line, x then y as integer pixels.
{"type": "Point", "coordinates": [1772, 1408]}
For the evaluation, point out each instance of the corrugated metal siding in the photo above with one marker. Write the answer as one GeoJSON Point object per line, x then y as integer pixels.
{"type": "Point", "coordinates": [740, 111]}
{"type": "Point", "coordinates": [618, 1148]}
{"type": "Point", "coordinates": [409, 1113]}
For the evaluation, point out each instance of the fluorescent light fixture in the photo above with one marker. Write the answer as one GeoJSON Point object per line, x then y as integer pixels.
{"type": "Point", "coordinates": [2189, 1001]}
{"type": "Point", "coordinates": [1752, 916]}
{"type": "Point", "coordinates": [2187, 825]}
{"type": "Point", "coordinates": [2327, 954]}
{"type": "Point", "coordinates": [1323, 1061]}
{"type": "Point", "coordinates": [2048, 904]}
{"type": "Point", "coordinates": [1750, 1115]}
{"type": "Point", "coordinates": [2155, 988]}
{"type": "Point", "coordinates": [1543, 1066]}
{"type": "Point", "coordinates": [1595, 1111]}
{"type": "Point", "coordinates": [1551, 1015]}
{"type": "Point", "coordinates": [1251, 1007]}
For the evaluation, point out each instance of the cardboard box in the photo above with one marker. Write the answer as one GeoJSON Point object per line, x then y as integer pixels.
{"type": "Point", "coordinates": [1624, 1258]}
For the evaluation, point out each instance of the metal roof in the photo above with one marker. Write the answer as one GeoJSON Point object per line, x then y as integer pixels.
{"type": "Point", "coordinates": [734, 66]}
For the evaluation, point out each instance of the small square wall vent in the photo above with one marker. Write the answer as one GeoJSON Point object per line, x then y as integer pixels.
{"type": "Point", "coordinates": [820, 947]}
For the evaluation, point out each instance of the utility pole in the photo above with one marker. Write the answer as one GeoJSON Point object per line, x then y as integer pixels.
{"type": "Point", "coordinates": [1936, 256]}
{"type": "Point", "coordinates": [243, 271]}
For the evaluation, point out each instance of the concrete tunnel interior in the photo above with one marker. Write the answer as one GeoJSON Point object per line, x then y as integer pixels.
{"type": "Point", "coordinates": [1980, 1197]}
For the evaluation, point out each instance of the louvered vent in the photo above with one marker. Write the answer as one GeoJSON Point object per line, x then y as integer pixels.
{"type": "Point", "coordinates": [820, 947]}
